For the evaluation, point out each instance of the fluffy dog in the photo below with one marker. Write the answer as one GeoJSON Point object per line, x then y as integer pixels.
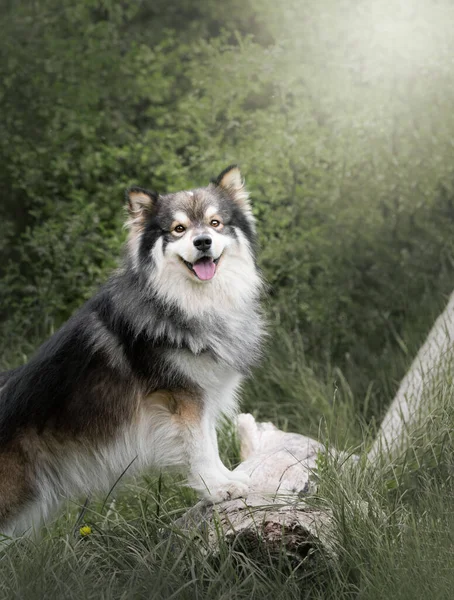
{"type": "Point", "coordinates": [142, 372]}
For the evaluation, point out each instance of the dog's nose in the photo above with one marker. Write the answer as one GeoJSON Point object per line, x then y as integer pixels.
{"type": "Point", "coordinates": [202, 242]}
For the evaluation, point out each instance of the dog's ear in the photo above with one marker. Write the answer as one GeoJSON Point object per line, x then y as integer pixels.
{"type": "Point", "coordinates": [232, 182]}
{"type": "Point", "coordinates": [140, 203]}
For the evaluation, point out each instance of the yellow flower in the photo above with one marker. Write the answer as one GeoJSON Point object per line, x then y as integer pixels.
{"type": "Point", "coordinates": [85, 530]}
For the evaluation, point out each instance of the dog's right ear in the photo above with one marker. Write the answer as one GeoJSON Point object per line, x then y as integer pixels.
{"type": "Point", "coordinates": [140, 203]}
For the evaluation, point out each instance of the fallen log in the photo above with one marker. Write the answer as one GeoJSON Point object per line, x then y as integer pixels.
{"type": "Point", "coordinates": [274, 517]}
{"type": "Point", "coordinates": [418, 391]}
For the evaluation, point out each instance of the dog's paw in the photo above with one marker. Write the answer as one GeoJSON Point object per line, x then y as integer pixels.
{"type": "Point", "coordinates": [227, 491]}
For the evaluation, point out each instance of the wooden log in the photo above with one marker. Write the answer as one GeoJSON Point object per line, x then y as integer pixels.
{"type": "Point", "coordinates": [418, 390]}
{"type": "Point", "coordinates": [273, 518]}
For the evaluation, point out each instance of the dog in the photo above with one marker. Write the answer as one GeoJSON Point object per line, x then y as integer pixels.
{"type": "Point", "coordinates": [140, 376]}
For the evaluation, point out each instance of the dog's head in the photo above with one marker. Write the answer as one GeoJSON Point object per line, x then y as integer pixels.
{"type": "Point", "coordinates": [198, 243]}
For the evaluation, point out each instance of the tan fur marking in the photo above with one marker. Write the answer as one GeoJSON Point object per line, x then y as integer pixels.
{"type": "Point", "coordinates": [211, 213]}
{"type": "Point", "coordinates": [139, 197]}
{"type": "Point", "coordinates": [15, 489]}
{"type": "Point", "coordinates": [217, 218]}
{"type": "Point", "coordinates": [162, 398]}
{"type": "Point", "coordinates": [189, 410]}
{"type": "Point", "coordinates": [180, 218]}
{"type": "Point", "coordinates": [184, 406]}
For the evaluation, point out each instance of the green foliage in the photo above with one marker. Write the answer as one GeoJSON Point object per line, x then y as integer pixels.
{"type": "Point", "coordinates": [345, 140]}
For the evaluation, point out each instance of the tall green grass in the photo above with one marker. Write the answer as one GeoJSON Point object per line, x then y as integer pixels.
{"type": "Point", "coordinates": [392, 533]}
{"type": "Point", "coordinates": [392, 524]}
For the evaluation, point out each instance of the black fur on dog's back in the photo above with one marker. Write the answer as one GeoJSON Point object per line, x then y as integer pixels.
{"type": "Point", "coordinates": [6, 375]}
{"type": "Point", "coordinates": [56, 387]}
{"type": "Point", "coordinates": [71, 385]}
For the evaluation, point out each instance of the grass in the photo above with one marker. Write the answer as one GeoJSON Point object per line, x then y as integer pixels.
{"type": "Point", "coordinates": [394, 538]}
{"type": "Point", "coordinates": [393, 525]}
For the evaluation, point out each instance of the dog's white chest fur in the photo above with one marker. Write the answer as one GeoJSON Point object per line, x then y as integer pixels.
{"type": "Point", "coordinates": [218, 380]}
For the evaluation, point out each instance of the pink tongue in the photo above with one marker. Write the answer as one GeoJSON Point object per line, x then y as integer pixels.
{"type": "Point", "coordinates": [204, 268]}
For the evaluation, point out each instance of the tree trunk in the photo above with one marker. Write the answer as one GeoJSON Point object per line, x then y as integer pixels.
{"type": "Point", "coordinates": [415, 396]}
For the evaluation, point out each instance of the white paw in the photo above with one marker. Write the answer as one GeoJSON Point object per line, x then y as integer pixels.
{"type": "Point", "coordinates": [226, 491]}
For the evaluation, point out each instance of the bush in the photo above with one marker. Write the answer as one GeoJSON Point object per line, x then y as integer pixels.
{"type": "Point", "coordinates": [350, 168]}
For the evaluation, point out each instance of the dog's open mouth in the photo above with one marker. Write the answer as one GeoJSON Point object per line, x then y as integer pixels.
{"type": "Point", "coordinates": [204, 268]}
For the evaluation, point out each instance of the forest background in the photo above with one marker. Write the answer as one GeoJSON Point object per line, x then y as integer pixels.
{"type": "Point", "coordinates": [341, 117]}
{"type": "Point", "coordinates": [340, 114]}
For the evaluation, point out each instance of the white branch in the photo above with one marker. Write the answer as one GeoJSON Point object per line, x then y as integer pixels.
{"type": "Point", "coordinates": [416, 394]}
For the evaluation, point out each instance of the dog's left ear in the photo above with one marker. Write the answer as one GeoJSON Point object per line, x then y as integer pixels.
{"type": "Point", "coordinates": [232, 182]}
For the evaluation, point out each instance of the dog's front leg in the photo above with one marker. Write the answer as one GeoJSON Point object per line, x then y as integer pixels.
{"type": "Point", "coordinates": [207, 473]}
{"type": "Point", "coordinates": [234, 475]}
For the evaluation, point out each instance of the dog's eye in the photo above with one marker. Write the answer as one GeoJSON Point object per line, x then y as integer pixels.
{"type": "Point", "coordinates": [180, 229]}
{"type": "Point", "coordinates": [215, 223]}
